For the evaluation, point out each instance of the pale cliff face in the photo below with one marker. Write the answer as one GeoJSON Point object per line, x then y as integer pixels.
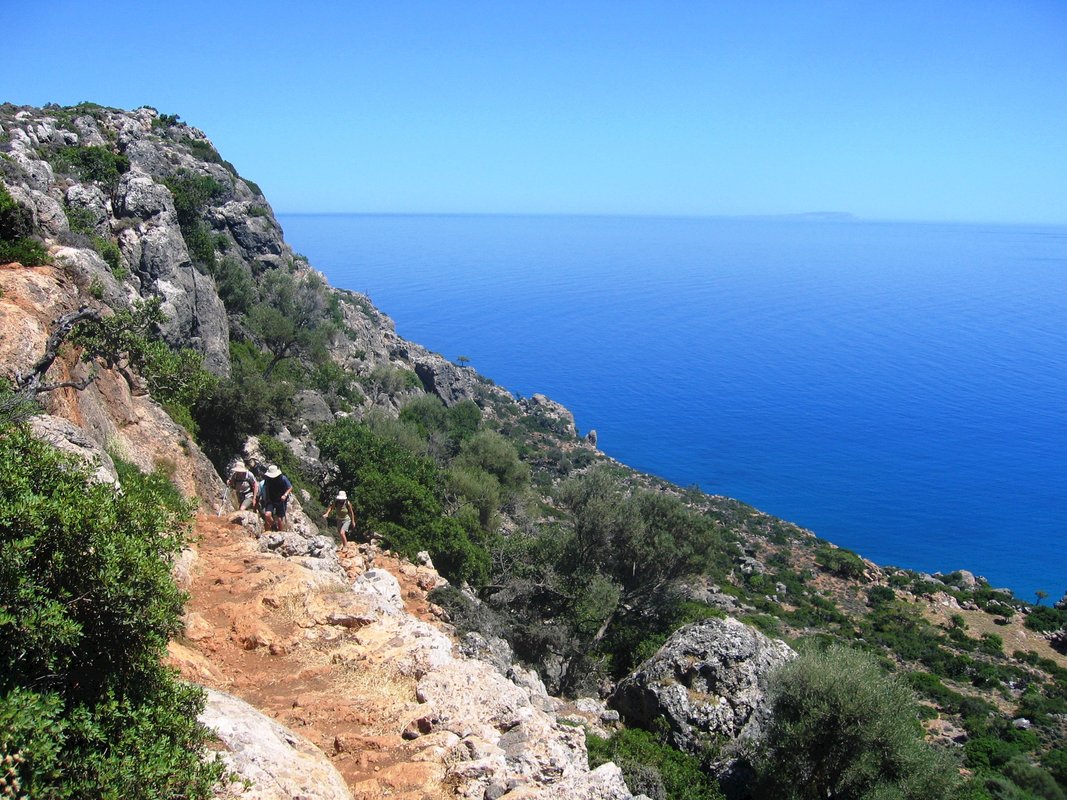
{"type": "Point", "coordinates": [150, 186]}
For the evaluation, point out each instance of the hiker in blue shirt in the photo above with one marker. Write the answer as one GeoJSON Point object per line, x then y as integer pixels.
{"type": "Point", "coordinates": [276, 491]}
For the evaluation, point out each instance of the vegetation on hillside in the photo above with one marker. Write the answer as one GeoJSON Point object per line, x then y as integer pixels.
{"type": "Point", "coordinates": [17, 240]}
{"type": "Point", "coordinates": [87, 606]}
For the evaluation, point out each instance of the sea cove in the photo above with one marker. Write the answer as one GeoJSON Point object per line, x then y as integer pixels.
{"type": "Point", "coordinates": [897, 388]}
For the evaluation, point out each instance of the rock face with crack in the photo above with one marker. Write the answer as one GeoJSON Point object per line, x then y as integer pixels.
{"type": "Point", "coordinates": [707, 682]}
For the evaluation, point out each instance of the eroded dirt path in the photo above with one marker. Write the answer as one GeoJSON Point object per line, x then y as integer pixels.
{"type": "Point", "coordinates": [257, 628]}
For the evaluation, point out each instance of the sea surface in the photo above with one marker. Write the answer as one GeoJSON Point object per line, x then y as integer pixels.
{"type": "Point", "coordinates": [900, 389]}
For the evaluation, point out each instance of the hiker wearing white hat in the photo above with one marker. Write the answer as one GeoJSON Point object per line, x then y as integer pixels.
{"type": "Point", "coordinates": [243, 484]}
{"type": "Point", "coordinates": [276, 491]}
{"type": "Point", "coordinates": [342, 506]}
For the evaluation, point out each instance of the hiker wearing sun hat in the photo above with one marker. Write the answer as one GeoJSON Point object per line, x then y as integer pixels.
{"type": "Point", "coordinates": [243, 483]}
{"type": "Point", "coordinates": [276, 491]}
{"type": "Point", "coordinates": [342, 506]}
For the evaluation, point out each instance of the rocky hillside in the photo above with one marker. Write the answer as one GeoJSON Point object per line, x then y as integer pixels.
{"type": "Point", "coordinates": [609, 584]}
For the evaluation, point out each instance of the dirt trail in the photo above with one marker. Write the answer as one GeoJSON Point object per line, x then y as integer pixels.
{"type": "Point", "coordinates": [255, 628]}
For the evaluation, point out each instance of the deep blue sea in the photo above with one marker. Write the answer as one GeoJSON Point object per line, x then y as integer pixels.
{"type": "Point", "coordinates": [900, 389]}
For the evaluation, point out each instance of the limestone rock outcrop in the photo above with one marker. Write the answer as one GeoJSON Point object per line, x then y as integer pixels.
{"type": "Point", "coordinates": [708, 680]}
{"type": "Point", "coordinates": [276, 762]}
{"type": "Point", "coordinates": [554, 416]}
{"type": "Point", "coordinates": [67, 437]}
{"type": "Point", "coordinates": [109, 415]}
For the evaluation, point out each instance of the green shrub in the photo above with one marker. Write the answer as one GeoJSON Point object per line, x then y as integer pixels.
{"type": "Point", "coordinates": [842, 728]}
{"type": "Point", "coordinates": [192, 194]}
{"type": "Point", "coordinates": [1045, 619]}
{"type": "Point", "coordinates": [231, 410]}
{"type": "Point", "coordinates": [1055, 761]}
{"type": "Point", "coordinates": [16, 230]}
{"type": "Point", "coordinates": [840, 562]}
{"type": "Point", "coordinates": [479, 488]}
{"type": "Point", "coordinates": [398, 494]}
{"type": "Point", "coordinates": [233, 280]}
{"type": "Point", "coordinates": [1032, 779]}
{"type": "Point", "coordinates": [28, 252]}
{"type": "Point", "coordinates": [653, 768]}
{"type": "Point", "coordinates": [880, 595]}
{"type": "Point", "coordinates": [448, 427]}
{"type": "Point", "coordinates": [92, 163]}
{"type": "Point", "coordinates": [992, 644]}
{"type": "Point", "coordinates": [337, 385]}
{"type": "Point", "coordinates": [109, 251]}
{"type": "Point", "coordinates": [16, 221]}
{"type": "Point", "coordinates": [997, 747]}
{"type": "Point", "coordinates": [87, 606]}
{"type": "Point", "coordinates": [490, 452]}
{"type": "Point", "coordinates": [80, 220]}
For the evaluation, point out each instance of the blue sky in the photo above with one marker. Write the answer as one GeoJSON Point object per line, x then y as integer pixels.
{"type": "Point", "coordinates": [904, 110]}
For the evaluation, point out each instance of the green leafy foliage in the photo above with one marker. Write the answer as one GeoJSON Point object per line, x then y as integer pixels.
{"type": "Point", "coordinates": [92, 163]}
{"type": "Point", "coordinates": [234, 283]}
{"type": "Point", "coordinates": [16, 234]}
{"type": "Point", "coordinates": [337, 386]}
{"type": "Point", "coordinates": [1046, 618]}
{"type": "Point", "coordinates": [399, 495]}
{"type": "Point", "coordinates": [652, 768]}
{"type": "Point", "coordinates": [294, 318]}
{"type": "Point", "coordinates": [494, 455]}
{"type": "Point", "coordinates": [87, 606]}
{"type": "Point", "coordinates": [842, 728]}
{"type": "Point", "coordinates": [109, 251]}
{"type": "Point", "coordinates": [126, 340]}
{"type": "Point", "coordinates": [444, 428]}
{"type": "Point", "coordinates": [243, 405]}
{"type": "Point", "coordinates": [839, 561]}
{"type": "Point", "coordinates": [192, 194]}
{"type": "Point", "coordinates": [26, 251]}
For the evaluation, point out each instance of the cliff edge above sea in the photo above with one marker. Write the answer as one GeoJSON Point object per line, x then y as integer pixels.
{"type": "Point", "coordinates": [514, 614]}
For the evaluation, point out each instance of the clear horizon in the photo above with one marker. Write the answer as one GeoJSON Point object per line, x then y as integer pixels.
{"type": "Point", "coordinates": [799, 216]}
{"type": "Point", "coordinates": [909, 112]}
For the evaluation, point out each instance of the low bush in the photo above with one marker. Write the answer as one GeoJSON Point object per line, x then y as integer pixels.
{"type": "Point", "coordinates": [28, 252]}
{"type": "Point", "coordinates": [192, 193]}
{"type": "Point", "coordinates": [109, 251]}
{"type": "Point", "coordinates": [87, 606]}
{"type": "Point", "coordinates": [652, 768]}
{"type": "Point", "coordinates": [840, 562]}
{"type": "Point", "coordinates": [234, 283]}
{"type": "Point", "coordinates": [398, 495]}
{"type": "Point", "coordinates": [840, 727]}
{"type": "Point", "coordinates": [16, 234]}
{"type": "Point", "coordinates": [92, 163]}
{"type": "Point", "coordinates": [1046, 619]}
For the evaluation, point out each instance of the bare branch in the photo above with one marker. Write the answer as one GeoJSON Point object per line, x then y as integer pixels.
{"type": "Point", "coordinates": [79, 385]}
{"type": "Point", "coordinates": [29, 385]}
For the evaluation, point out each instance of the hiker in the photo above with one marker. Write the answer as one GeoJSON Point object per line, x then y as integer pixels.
{"type": "Point", "coordinates": [275, 497]}
{"type": "Point", "coordinates": [243, 484]}
{"type": "Point", "coordinates": [342, 506]}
